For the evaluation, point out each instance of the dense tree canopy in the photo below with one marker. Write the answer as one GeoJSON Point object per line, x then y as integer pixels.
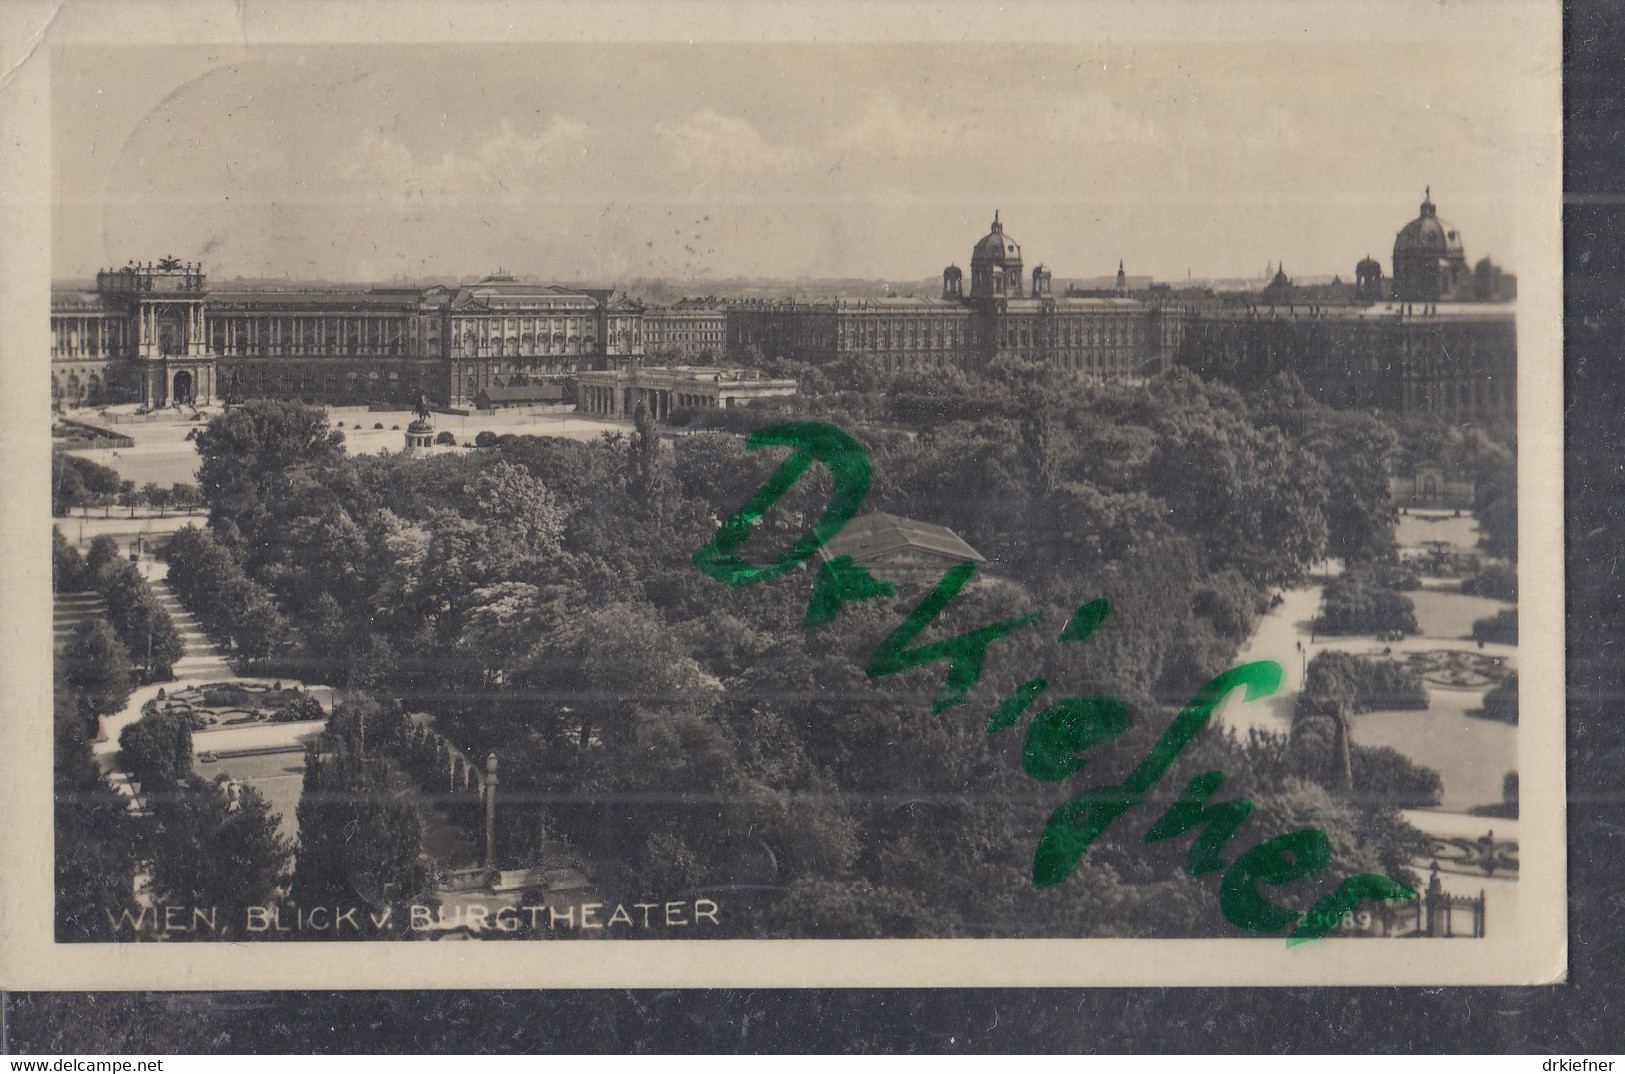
{"type": "Point", "coordinates": [95, 858]}
{"type": "Point", "coordinates": [359, 833]}
{"type": "Point", "coordinates": [538, 599]}
{"type": "Point", "coordinates": [142, 624]}
{"type": "Point", "coordinates": [211, 845]}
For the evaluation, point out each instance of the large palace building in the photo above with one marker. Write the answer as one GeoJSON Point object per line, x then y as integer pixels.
{"type": "Point", "coordinates": [157, 334]}
{"type": "Point", "coordinates": [1429, 339]}
{"type": "Point", "coordinates": [1005, 314]}
{"type": "Point", "coordinates": [1434, 339]}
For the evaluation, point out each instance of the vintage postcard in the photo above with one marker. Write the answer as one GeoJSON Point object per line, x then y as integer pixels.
{"type": "Point", "coordinates": [900, 494]}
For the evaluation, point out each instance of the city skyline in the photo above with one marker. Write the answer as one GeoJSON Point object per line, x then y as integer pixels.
{"type": "Point", "coordinates": [618, 162]}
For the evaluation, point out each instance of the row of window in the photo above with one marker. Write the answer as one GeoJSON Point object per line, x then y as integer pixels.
{"type": "Point", "coordinates": [1464, 393]}
{"type": "Point", "coordinates": [373, 383]}
{"type": "Point", "coordinates": [392, 349]}
{"type": "Point", "coordinates": [75, 389]}
{"type": "Point", "coordinates": [306, 331]}
{"type": "Point", "coordinates": [87, 337]}
{"type": "Point", "coordinates": [685, 337]}
{"type": "Point", "coordinates": [485, 369]}
{"type": "Point", "coordinates": [499, 348]}
{"type": "Point", "coordinates": [939, 335]}
{"type": "Point", "coordinates": [1066, 335]}
{"type": "Point", "coordinates": [545, 326]}
{"type": "Point", "coordinates": [909, 336]}
{"type": "Point", "coordinates": [1084, 363]}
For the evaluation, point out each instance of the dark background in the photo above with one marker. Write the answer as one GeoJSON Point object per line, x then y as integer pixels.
{"type": "Point", "coordinates": [1585, 1015]}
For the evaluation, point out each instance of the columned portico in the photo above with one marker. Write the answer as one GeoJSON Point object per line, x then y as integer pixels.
{"type": "Point", "coordinates": [664, 391]}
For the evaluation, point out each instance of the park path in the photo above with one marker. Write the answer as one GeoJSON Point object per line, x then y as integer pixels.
{"type": "Point", "coordinates": [1469, 753]}
{"type": "Point", "coordinates": [202, 661]}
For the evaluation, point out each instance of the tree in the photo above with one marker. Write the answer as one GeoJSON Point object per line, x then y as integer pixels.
{"type": "Point", "coordinates": [1362, 601]}
{"type": "Point", "coordinates": [157, 749]}
{"type": "Point", "coordinates": [210, 847]}
{"type": "Point", "coordinates": [67, 486]}
{"type": "Point", "coordinates": [130, 496]}
{"type": "Point", "coordinates": [214, 587]}
{"type": "Point", "coordinates": [1494, 581]}
{"type": "Point", "coordinates": [519, 508]}
{"type": "Point", "coordinates": [1360, 512]}
{"type": "Point", "coordinates": [157, 496]}
{"type": "Point", "coordinates": [503, 626]}
{"type": "Point", "coordinates": [96, 666]}
{"type": "Point", "coordinates": [67, 565]}
{"type": "Point", "coordinates": [142, 624]}
{"type": "Point", "coordinates": [1501, 703]}
{"type": "Point", "coordinates": [259, 627]}
{"type": "Point", "coordinates": [185, 495]}
{"type": "Point", "coordinates": [360, 841]}
{"type": "Point", "coordinates": [103, 551]}
{"type": "Point", "coordinates": [79, 482]}
{"type": "Point", "coordinates": [94, 845]}
{"type": "Point", "coordinates": [1253, 498]}
{"type": "Point", "coordinates": [610, 662]}
{"type": "Point", "coordinates": [248, 452]}
{"type": "Point", "coordinates": [1502, 627]}
{"type": "Point", "coordinates": [643, 461]}
{"type": "Point", "coordinates": [1388, 778]}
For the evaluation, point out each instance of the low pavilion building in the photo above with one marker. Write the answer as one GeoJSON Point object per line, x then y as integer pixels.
{"type": "Point", "coordinates": [617, 392]}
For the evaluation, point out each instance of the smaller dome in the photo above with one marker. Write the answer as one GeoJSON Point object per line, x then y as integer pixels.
{"type": "Point", "coordinates": [1368, 266]}
{"type": "Point", "coordinates": [420, 426]}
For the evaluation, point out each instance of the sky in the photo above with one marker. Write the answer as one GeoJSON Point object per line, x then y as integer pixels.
{"type": "Point", "coordinates": [608, 162]}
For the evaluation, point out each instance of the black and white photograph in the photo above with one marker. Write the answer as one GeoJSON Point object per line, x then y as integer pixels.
{"type": "Point", "coordinates": [1055, 501]}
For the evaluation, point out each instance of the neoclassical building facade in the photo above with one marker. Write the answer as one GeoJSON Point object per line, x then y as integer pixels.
{"type": "Point", "coordinates": [1004, 315]}
{"type": "Point", "coordinates": [1422, 343]}
{"type": "Point", "coordinates": [157, 334]}
{"type": "Point", "coordinates": [694, 328]}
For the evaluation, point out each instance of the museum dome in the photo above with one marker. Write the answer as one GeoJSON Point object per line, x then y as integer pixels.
{"type": "Point", "coordinates": [996, 248]}
{"type": "Point", "coordinates": [1428, 234]}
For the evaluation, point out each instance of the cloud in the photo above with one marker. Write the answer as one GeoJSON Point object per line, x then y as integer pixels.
{"type": "Point", "coordinates": [711, 141]}
{"type": "Point", "coordinates": [507, 162]}
{"type": "Point", "coordinates": [889, 127]}
{"type": "Point", "coordinates": [562, 141]}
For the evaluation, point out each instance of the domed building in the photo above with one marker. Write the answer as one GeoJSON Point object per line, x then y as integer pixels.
{"type": "Point", "coordinates": [1429, 262]}
{"type": "Point", "coordinates": [995, 265]}
{"type": "Point", "coordinates": [1368, 285]}
{"type": "Point", "coordinates": [1279, 291]}
{"type": "Point", "coordinates": [1005, 316]}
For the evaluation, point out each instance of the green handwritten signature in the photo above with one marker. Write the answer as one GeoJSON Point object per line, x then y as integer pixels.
{"type": "Point", "coordinates": [1058, 736]}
